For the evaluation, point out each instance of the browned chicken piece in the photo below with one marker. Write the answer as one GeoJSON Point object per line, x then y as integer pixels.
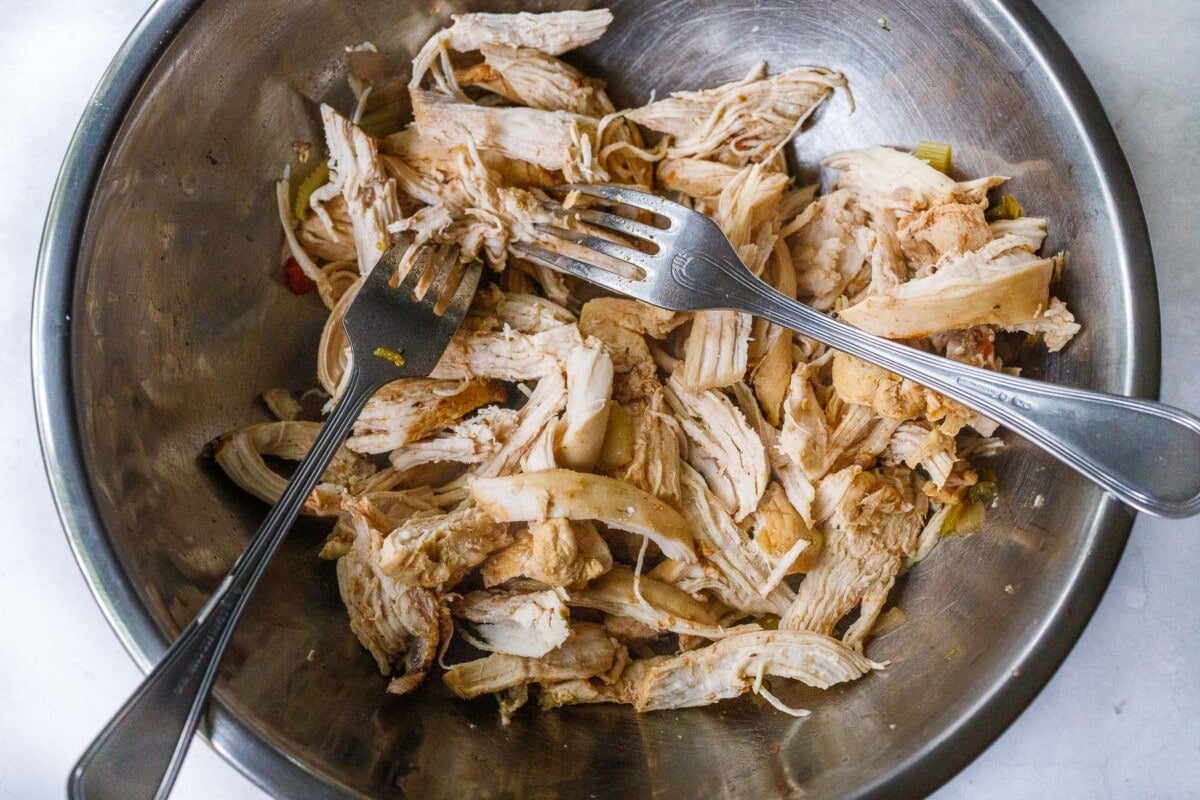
{"type": "Point", "coordinates": [785, 538]}
{"type": "Point", "coordinates": [538, 415]}
{"type": "Point", "coordinates": [740, 561]}
{"type": "Point", "coordinates": [518, 624]}
{"type": "Point", "coordinates": [948, 229]}
{"type": "Point", "coordinates": [560, 493]}
{"type": "Point", "coordinates": [240, 455]}
{"type": "Point", "coordinates": [658, 442]}
{"type": "Point", "coordinates": [589, 388]}
{"type": "Point", "coordinates": [1000, 284]}
{"type": "Point", "coordinates": [381, 510]}
{"type": "Point", "coordinates": [588, 652]}
{"type": "Point", "coordinates": [400, 624]}
{"type": "Point", "coordinates": [556, 552]}
{"type": "Point", "coordinates": [658, 605]}
{"type": "Point", "coordinates": [411, 409]}
{"type": "Point", "coordinates": [438, 550]}
{"type": "Point", "coordinates": [906, 182]}
{"type": "Point", "coordinates": [554, 33]}
{"type": "Point", "coordinates": [696, 177]}
{"type": "Point", "coordinates": [550, 139]}
{"type": "Point", "coordinates": [1056, 325]}
{"type": "Point", "coordinates": [771, 367]}
{"type": "Point", "coordinates": [532, 78]}
{"type": "Point", "coordinates": [469, 442]}
{"type": "Point", "coordinates": [622, 690]}
{"type": "Point", "coordinates": [738, 664]}
{"type": "Point", "coordinates": [872, 528]}
{"type": "Point", "coordinates": [358, 175]}
{"type": "Point", "coordinates": [722, 447]}
{"type": "Point", "coordinates": [892, 397]}
{"type": "Point", "coordinates": [630, 632]}
{"type": "Point", "coordinates": [743, 121]}
{"type": "Point", "coordinates": [914, 444]}
{"type": "Point", "coordinates": [717, 351]}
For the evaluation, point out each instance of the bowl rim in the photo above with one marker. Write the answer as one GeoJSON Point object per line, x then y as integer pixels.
{"type": "Point", "coordinates": [272, 770]}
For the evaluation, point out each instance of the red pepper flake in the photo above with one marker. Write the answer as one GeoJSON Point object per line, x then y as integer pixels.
{"type": "Point", "coordinates": [295, 279]}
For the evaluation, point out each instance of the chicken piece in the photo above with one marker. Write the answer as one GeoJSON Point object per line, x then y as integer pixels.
{"type": "Point", "coordinates": [904, 181]}
{"type": "Point", "coordinates": [469, 442]}
{"type": "Point", "coordinates": [553, 33]}
{"type": "Point", "coordinates": [333, 349]}
{"type": "Point", "coordinates": [1056, 325]}
{"type": "Point", "coordinates": [622, 326]}
{"type": "Point", "coordinates": [791, 477]}
{"type": "Point", "coordinates": [588, 652]}
{"type": "Point", "coordinates": [717, 349]}
{"type": "Point", "coordinates": [739, 559]}
{"type": "Point", "coordinates": [529, 625]}
{"type": "Point", "coordinates": [398, 623]}
{"type": "Point", "coordinates": [240, 455]}
{"type": "Point", "coordinates": [540, 454]}
{"type": "Point", "coordinates": [739, 122]}
{"type": "Point", "coordinates": [659, 605]}
{"type": "Point", "coordinates": [737, 664]}
{"type": "Point", "coordinates": [1031, 229]}
{"type": "Point", "coordinates": [932, 450]}
{"type": "Point", "coordinates": [536, 417]}
{"type": "Point", "coordinates": [872, 528]}
{"type": "Point", "coordinates": [658, 442]}
{"type": "Point", "coordinates": [532, 78]}
{"type": "Point", "coordinates": [507, 355]}
{"type": "Point", "coordinates": [382, 510]}
{"type": "Point", "coordinates": [783, 535]}
{"type": "Point", "coordinates": [948, 229]}
{"type": "Point", "coordinates": [410, 409]}
{"type": "Point", "coordinates": [622, 690]}
{"type": "Point", "coordinates": [695, 177]}
{"type": "Point", "coordinates": [722, 447]}
{"type": "Point", "coordinates": [420, 163]}
{"type": "Point", "coordinates": [331, 238]}
{"type": "Point", "coordinates": [560, 493]}
{"type": "Point", "coordinates": [1001, 284]}
{"type": "Point", "coordinates": [550, 139]}
{"type": "Point", "coordinates": [358, 175]}
{"type": "Point", "coordinates": [975, 346]}
{"type": "Point", "coordinates": [630, 632]}
{"type": "Point", "coordinates": [771, 375]}
{"type": "Point", "coordinates": [589, 388]}
{"type": "Point", "coordinates": [556, 552]}
{"type": "Point", "coordinates": [805, 435]}
{"type": "Point", "coordinates": [438, 550]}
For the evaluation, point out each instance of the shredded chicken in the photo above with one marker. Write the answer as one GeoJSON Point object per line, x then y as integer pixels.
{"type": "Point", "coordinates": [616, 475]}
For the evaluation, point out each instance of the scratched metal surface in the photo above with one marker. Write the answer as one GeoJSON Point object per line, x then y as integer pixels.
{"type": "Point", "coordinates": [160, 378]}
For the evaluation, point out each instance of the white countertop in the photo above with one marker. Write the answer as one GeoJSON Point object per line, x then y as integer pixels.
{"type": "Point", "coordinates": [1120, 719]}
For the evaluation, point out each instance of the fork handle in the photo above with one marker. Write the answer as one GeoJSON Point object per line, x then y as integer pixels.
{"type": "Point", "coordinates": [1144, 452]}
{"type": "Point", "coordinates": [138, 754]}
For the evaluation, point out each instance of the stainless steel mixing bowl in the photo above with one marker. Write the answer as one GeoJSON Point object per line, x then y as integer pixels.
{"type": "Point", "coordinates": [160, 316]}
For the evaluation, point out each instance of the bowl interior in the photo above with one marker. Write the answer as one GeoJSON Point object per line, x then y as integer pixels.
{"type": "Point", "coordinates": [180, 321]}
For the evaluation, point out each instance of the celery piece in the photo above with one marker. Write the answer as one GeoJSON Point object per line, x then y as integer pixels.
{"type": "Point", "coordinates": [935, 154]}
{"type": "Point", "coordinates": [1008, 207]}
{"type": "Point", "coordinates": [315, 179]}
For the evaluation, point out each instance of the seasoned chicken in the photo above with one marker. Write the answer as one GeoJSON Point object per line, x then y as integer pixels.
{"type": "Point", "coordinates": [556, 552]}
{"type": "Point", "coordinates": [588, 652]}
{"type": "Point", "coordinates": [658, 605]}
{"type": "Point", "coordinates": [400, 624]}
{"type": "Point", "coordinates": [916, 445]}
{"type": "Point", "coordinates": [357, 175]}
{"type": "Point", "coordinates": [905, 182]}
{"type": "Point", "coordinates": [722, 447]}
{"type": "Point", "coordinates": [529, 625]}
{"type": "Point", "coordinates": [872, 528]}
{"type": "Point", "coordinates": [737, 664]}
{"type": "Point", "coordinates": [949, 229]}
{"type": "Point", "coordinates": [438, 550]}
{"type": "Point", "coordinates": [696, 177]}
{"type": "Point", "coordinates": [622, 690]}
{"type": "Point", "coordinates": [658, 442]}
{"type": "Point", "coordinates": [536, 417]}
{"type": "Point", "coordinates": [469, 442]}
{"type": "Point", "coordinates": [507, 354]}
{"type": "Point", "coordinates": [560, 493]}
{"type": "Point", "coordinates": [240, 454]}
{"type": "Point", "coordinates": [532, 78]}
{"type": "Point", "coordinates": [742, 121]}
{"type": "Point", "coordinates": [783, 535]}
{"type": "Point", "coordinates": [589, 388]}
{"type": "Point", "coordinates": [411, 409]}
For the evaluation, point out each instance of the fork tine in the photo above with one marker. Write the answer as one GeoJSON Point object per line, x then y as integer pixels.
{"type": "Point", "coordinates": [460, 301]}
{"type": "Point", "coordinates": [603, 219]}
{"type": "Point", "coordinates": [440, 271]}
{"type": "Point", "coordinates": [610, 249]}
{"type": "Point", "coordinates": [417, 270]}
{"type": "Point", "coordinates": [629, 197]}
{"type": "Point", "coordinates": [580, 269]}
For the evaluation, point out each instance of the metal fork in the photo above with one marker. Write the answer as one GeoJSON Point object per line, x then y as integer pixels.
{"type": "Point", "coordinates": [1145, 453]}
{"type": "Point", "coordinates": [394, 332]}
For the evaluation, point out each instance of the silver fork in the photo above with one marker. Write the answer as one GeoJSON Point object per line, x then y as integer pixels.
{"type": "Point", "coordinates": [1145, 453]}
{"type": "Point", "coordinates": [140, 751]}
